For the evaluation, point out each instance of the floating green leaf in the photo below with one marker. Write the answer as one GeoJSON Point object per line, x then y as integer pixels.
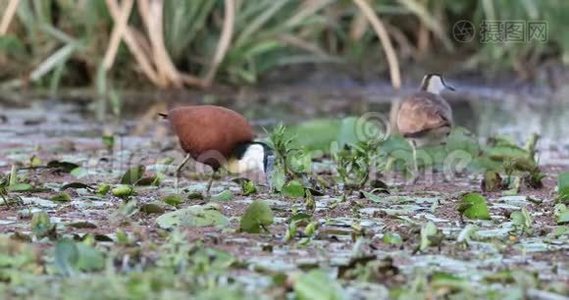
{"type": "Point", "coordinates": [103, 189]}
{"type": "Point", "coordinates": [122, 191]}
{"type": "Point", "coordinates": [257, 216]}
{"type": "Point", "coordinates": [71, 257]}
{"type": "Point", "coordinates": [447, 281]}
{"type": "Point", "coordinates": [293, 189]}
{"type": "Point", "coordinates": [473, 206]}
{"type": "Point", "coordinates": [225, 195]}
{"type": "Point", "coordinates": [372, 197]}
{"type": "Point", "coordinates": [318, 285]}
{"type": "Point", "coordinates": [66, 256]}
{"type": "Point", "coordinates": [173, 199]}
{"type": "Point", "coordinates": [392, 238]}
{"type": "Point", "coordinates": [193, 216]}
{"type": "Point", "coordinates": [248, 187]}
{"type": "Point", "coordinates": [79, 172]}
{"type": "Point", "coordinates": [430, 236]}
{"type": "Point", "coordinates": [152, 208]}
{"type": "Point", "coordinates": [61, 197]}
{"type": "Point", "coordinates": [561, 213]}
{"type": "Point", "coordinates": [132, 175]}
{"type": "Point", "coordinates": [522, 220]}
{"type": "Point", "coordinates": [90, 259]}
{"type": "Point", "coordinates": [42, 226]}
{"type": "Point", "coordinates": [35, 161]}
{"type": "Point", "coordinates": [20, 187]}
{"type": "Point", "coordinates": [108, 141]}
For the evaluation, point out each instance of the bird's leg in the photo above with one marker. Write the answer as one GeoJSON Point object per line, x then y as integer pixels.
{"type": "Point", "coordinates": [209, 183]}
{"type": "Point", "coordinates": [179, 169]}
{"type": "Point", "coordinates": [415, 165]}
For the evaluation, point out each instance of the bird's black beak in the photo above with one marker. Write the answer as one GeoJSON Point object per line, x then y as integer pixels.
{"type": "Point", "coordinates": [450, 88]}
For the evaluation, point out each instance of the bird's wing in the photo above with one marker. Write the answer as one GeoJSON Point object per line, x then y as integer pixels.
{"type": "Point", "coordinates": [419, 114]}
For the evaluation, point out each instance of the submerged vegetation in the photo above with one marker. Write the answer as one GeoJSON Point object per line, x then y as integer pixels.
{"type": "Point", "coordinates": [174, 43]}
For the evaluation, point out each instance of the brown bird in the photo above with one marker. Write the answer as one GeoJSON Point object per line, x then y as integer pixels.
{"type": "Point", "coordinates": [424, 118]}
{"type": "Point", "coordinates": [218, 137]}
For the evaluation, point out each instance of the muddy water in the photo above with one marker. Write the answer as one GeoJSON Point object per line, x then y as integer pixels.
{"type": "Point", "coordinates": [486, 112]}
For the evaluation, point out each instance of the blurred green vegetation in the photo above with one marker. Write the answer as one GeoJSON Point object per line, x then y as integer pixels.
{"type": "Point", "coordinates": [56, 43]}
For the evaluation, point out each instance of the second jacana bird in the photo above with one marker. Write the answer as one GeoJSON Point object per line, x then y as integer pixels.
{"type": "Point", "coordinates": [218, 137]}
{"type": "Point", "coordinates": [424, 118]}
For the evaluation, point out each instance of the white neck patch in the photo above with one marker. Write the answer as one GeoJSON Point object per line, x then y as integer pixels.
{"type": "Point", "coordinates": [252, 160]}
{"type": "Point", "coordinates": [436, 85]}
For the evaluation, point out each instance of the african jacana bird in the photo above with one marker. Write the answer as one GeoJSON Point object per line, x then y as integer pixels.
{"type": "Point", "coordinates": [218, 137]}
{"type": "Point", "coordinates": [424, 118]}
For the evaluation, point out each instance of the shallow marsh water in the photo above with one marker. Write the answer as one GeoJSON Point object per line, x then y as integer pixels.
{"type": "Point", "coordinates": [495, 259]}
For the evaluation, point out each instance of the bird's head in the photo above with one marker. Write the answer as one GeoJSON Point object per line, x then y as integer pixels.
{"type": "Point", "coordinates": [434, 83]}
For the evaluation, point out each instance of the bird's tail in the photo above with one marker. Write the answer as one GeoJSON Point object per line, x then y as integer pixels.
{"type": "Point", "coordinates": [163, 115]}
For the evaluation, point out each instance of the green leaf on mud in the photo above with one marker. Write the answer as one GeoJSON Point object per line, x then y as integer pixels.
{"type": "Point", "coordinates": [561, 213]}
{"type": "Point", "coordinates": [193, 216]}
{"type": "Point", "coordinates": [293, 189]}
{"type": "Point", "coordinates": [122, 191]}
{"type": "Point", "coordinates": [372, 197]}
{"type": "Point", "coordinates": [473, 206]}
{"type": "Point", "coordinates": [248, 188]}
{"type": "Point", "coordinates": [66, 256]}
{"type": "Point", "coordinates": [108, 141]}
{"type": "Point", "coordinates": [152, 208]}
{"type": "Point", "coordinates": [103, 189]}
{"type": "Point", "coordinates": [79, 172]}
{"type": "Point", "coordinates": [225, 195]}
{"type": "Point", "coordinates": [448, 281]}
{"type": "Point", "coordinates": [41, 225]}
{"type": "Point", "coordinates": [71, 257]}
{"type": "Point", "coordinates": [90, 258]}
{"type": "Point", "coordinates": [392, 238]}
{"type": "Point", "coordinates": [132, 175]}
{"type": "Point", "coordinates": [257, 216]}
{"type": "Point", "coordinates": [20, 187]}
{"type": "Point", "coordinates": [429, 236]}
{"type": "Point", "coordinates": [522, 219]}
{"type": "Point", "coordinates": [317, 285]}
{"type": "Point", "coordinates": [173, 199]}
{"type": "Point", "coordinates": [61, 197]}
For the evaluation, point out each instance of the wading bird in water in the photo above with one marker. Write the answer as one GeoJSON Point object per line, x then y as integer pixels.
{"type": "Point", "coordinates": [424, 118]}
{"type": "Point", "coordinates": [219, 137]}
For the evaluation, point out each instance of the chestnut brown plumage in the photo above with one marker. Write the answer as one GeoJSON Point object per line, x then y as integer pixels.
{"type": "Point", "coordinates": [209, 129]}
{"type": "Point", "coordinates": [424, 118]}
{"type": "Point", "coordinates": [213, 135]}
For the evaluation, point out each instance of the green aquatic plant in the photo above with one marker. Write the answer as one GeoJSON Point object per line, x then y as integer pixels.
{"type": "Point", "coordinates": [292, 162]}
{"type": "Point", "coordinates": [355, 162]}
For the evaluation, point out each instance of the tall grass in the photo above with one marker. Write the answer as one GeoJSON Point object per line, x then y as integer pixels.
{"type": "Point", "coordinates": [174, 43]}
